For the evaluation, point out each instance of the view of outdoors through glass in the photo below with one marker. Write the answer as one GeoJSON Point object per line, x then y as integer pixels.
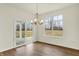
{"type": "Point", "coordinates": [54, 25]}
{"type": "Point", "coordinates": [24, 29]}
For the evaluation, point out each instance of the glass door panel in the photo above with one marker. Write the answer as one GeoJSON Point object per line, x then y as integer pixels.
{"type": "Point", "coordinates": [23, 30]}
{"type": "Point", "coordinates": [20, 33]}
{"type": "Point", "coordinates": [17, 31]}
{"type": "Point", "coordinates": [28, 32]}
{"type": "Point", "coordinates": [29, 29]}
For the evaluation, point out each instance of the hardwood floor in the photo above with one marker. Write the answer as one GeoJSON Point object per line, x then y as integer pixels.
{"type": "Point", "coordinates": [40, 49]}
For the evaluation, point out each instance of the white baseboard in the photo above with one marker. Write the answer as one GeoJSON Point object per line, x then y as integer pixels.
{"type": "Point", "coordinates": [7, 49]}
{"type": "Point", "coordinates": [14, 47]}
{"type": "Point", "coordinates": [60, 45]}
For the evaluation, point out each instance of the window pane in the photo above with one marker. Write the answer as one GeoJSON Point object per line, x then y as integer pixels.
{"type": "Point", "coordinates": [17, 31]}
{"type": "Point", "coordinates": [23, 30]}
{"type": "Point", "coordinates": [47, 23]}
{"type": "Point", "coordinates": [55, 24]}
{"type": "Point", "coordinates": [28, 28]}
{"type": "Point", "coordinates": [60, 17]}
{"type": "Point", "coordinates": [55, 18]}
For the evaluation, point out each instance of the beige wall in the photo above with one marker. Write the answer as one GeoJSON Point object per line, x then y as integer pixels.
{"type": "Point", "coordinates": [71, 29]}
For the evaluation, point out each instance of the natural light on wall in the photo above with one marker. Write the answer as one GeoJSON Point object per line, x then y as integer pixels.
{"type": "Point", "coordinates": [54, 25]}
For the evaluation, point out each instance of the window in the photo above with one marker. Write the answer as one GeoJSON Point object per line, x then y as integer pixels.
{"type": "Point", "coordinates": [58, 22]}
{"type": "Point", "coordinates": [29, 29]}
{"type": "Point", "coordinates": [17, 31]}
{"type": "Point", "coordinates": [54, 25]}
{"type": "Point", "coordinates": [29, 26]}
{"type": "Point", "coordinates": [48, 23]}
{"type": "Point", "coordinates": [23, 30]}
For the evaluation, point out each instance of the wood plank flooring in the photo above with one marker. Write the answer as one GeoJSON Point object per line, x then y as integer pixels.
{"type": "Point", "coordinates": [40, 49]}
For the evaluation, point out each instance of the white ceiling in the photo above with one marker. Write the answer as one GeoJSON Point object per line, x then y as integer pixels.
{"type": "Point", "coordinates": [42, 7]}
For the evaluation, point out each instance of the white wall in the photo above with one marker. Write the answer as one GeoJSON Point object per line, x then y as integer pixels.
{"type": "Point", "coordinates": [8, 15]}
{"type": "Point", "coordinates": [71, 28]}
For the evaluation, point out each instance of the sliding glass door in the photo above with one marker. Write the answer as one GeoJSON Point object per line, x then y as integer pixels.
{"type": "Point", "coordinates": [23, 32]}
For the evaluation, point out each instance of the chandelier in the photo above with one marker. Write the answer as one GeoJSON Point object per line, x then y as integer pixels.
{"type": "Point", "coordinates": [36, 19]}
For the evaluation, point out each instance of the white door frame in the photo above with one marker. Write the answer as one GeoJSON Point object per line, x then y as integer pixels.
{"type": "Point", "coordinates": [26, 40]}
{"type": "Point", "coordinates": [15, 23]}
